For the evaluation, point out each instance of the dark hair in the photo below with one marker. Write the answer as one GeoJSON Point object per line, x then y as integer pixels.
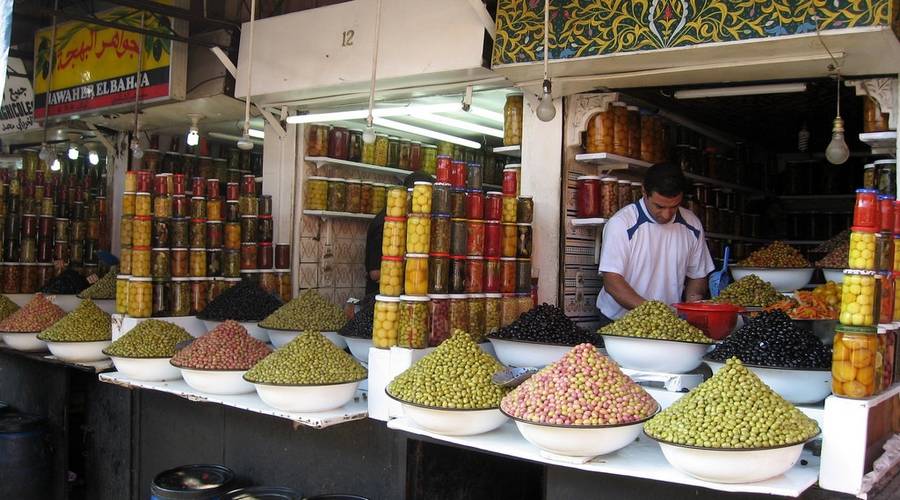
{"type": "Point", "coordinates": [416, 176]}
{"type": "Point", "coordinates": [665, 179]}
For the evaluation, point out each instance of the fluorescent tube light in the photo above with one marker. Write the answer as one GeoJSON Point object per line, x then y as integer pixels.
{"type": "Point", "coordinates": [486, 113]}
{"type": "Point", "coordinates": [412, 129]}
{"type": "Point", "coordinates": [259, 134]}
{"type": "Point", "coordinates": [459, 124]}
{"type": "Point", "coordinates": [777, 88]}
{"type": "Point", "coordinates": [360, 114]}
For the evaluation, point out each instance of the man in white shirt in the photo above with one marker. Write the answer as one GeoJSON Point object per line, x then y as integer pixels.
{"type": "Point", "coordinates": [653, 249]}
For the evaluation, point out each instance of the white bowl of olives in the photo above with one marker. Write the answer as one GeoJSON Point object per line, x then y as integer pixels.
{"type": "Point", "coordinates": [452, 421]}
{"type": "Point", "coordinates": [306, 398]}
{"type": "Point", "coordinates": [797, 385]}
{"type": "Point", "coordinates": [146, 369]}
{"type": "Point", "coordinates": [79, 351]}
{"type": "Point", "coordinates": [24, 341]}
{"type": "Point", "coordinates": [218, 382]}
{"type": "Point", "coordinates": [731, 465]}
{"type": "Point", "coordinates": [655, 355]}
{"type": "Point", "coordinates": [359, 348]}
{"type": "Point", "coordinates": [526, 354]}
{"type": "Point", "coordinates": [580, 441]}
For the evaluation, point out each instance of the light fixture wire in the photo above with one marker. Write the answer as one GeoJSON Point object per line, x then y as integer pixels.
{"type": "Point", "coordinates": [52, 67]}
{"type": "Point", "coordinates": [137, 76]}
{"type": "Point", "coordinates": [546, 38]}
{"type": "Point", "coordinates": [370, 118]}
{"type": "Point", "coordinates": [249, 69]}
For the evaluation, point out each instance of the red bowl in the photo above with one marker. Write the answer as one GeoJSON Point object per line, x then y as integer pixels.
{"type": "Point", "coordinates": [716, 320]}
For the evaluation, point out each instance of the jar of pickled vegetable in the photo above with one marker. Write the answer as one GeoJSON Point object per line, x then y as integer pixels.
{"type": "Point", "coordinates": [439, 315]}
{"type": "Point", "coordinates": [249, 255]}
{"type": "Point", "coordinates": [214, 262]}
{"type": "Point", "coordinates": [367, 154]}
{"type": "Point", "coordinates": [855, 354]}
{"type": "Point", "coordinates": [609, 197]}
{"type": "Point", "coordinates": [365, 198]}
{"type": "Point", "coordinates": [396, 201]}
{"type": "Point", "coordinates": [199, 294]}
{"type": "Point", "coordinates": [884, 251]}
{"type": "Point", "coordinates": [458, 203]}
{"type": "Point", "coordinates": [508, 274]}
{"type": "Point", "coordinates": [421, 201]}
{"type": "Point", "coordinates": [140, 262]}
{"type": "Point", "coordinates": [337, 195]}
{"type": "Point", "coordinates": [391, 281]}
{"type": "Point", "coordinates": [128, 201]}
{"type": "Point", "coordinates": [386, 321]}
{"type": "Point", "coordinates": [429, 158]}
{"type": "Point", "coordinates": [440, 198]}
{"type": "Point", "coordinates": [440, 233]}
{"type": "Point", "coordinates": [393, 242]}
{"type": "Point", "coordinates": [439, 273]}
{"type": "Point", "coordinates": [416, 282]}
{"type": "Point", "coordinates": [197, 262]}
{"type": "Point", "coordinates": [509, 240]}
{"type": "Point", "coordinates": [524, 302]}
{"type": "Point", "coordinates": [459, 312]}
{"type": "Point", "coordinates": [141, 231]}
{"type": "Point", "coordinates": [160, 267]}
{"type": "Point", "coordinates": [866, 212]}
{"type": "Point", "coordinates": [317, 140]}
{"type": "Point", "coordinates": [512, 120]}
{"type": "Point", "coordinates": [458, 175]}
{"type": "Point", "coordinates": [886, 314]}
{"type": "Point", "coordinates": [122, 293]}
{"type": "Point", "coordinates": [354, 195]}
{"type": "Point", "coordinates": [143, 205]}
{"type": "Point", "coordinates": [249, 225]}
{"type": "Point", "coordinates": [339, 143]}
{"type": "Point", "coordinates": [231, 263]}
{"type": "Point", "coordinates": [393, 152]}
{"type": "Point", "coordinates": [405, 153]}
{"type": "Point", "coordinates": [524, 209]}
{"type": "Point", "coordinates": [475, 237]}
{"type": "Point", "coordinates": [442, 167]}
{"type": "Point", "coordinates": [379, 198]}
{"type": "Point", "coordinates": [316, 197]}
{"type": "Point", "coordinates": [474, 176]}
{"type": "Point", "coordinates": [180, 206]}
{"type": "Point", "coordinates": [413, 326]}
{"type": "Point", "coordinates": [198, 233]}
{"type": "Point", "coordinates": [862, 248]}
{"type": "Point", "coordinates": [509, 309]}
{"type": "Point", "coordinates": [232, 237]}
{"type": "Point", "coordinates": [493, 206]}
{"type": "Point", "coordinates": [198, 207]}
{"type": "Point", "coordinates": [458, 237]}
{"type": "Point", "coordinates": [860, 298]}
{"type": "Point", "coordinates": [214, 234]}
{"type": "Point", "coordinates": [621, 131]}
{"type": "Point", "coordinates": [523, 275]}
{"type": "Point", "coordinates": [457, 274]}
{"type": "Point", "coordinates": [381, 150]}
{"type": "Point", "coordinates": [140, 297]}
{"type": "Point", "coordinates": [474, 279]}
{"type": "Point", "coordinates": [124, 260]}
{"type": "Point", "coordinates": [126, 225]}
{"type": "Point", "coordinates": [600, 132]}
{"type": "Point", "coordinates": [511, 184]}
{"type": "Point", "coordinates": [510, 205]}
{"type": "Point", "coordinates": [180, 297]}
{"type": "Point", "coordinates": [524, 241]}
{"type": "Point", "coordinates": [475, 204]}
{"type": "Point", "coordinates": [493, 239]}
{"type": "Point", "coordinates": [492, 312]}
{"type": "Point", "coordinates": [476, 313]}
{"type": "Point", "coordinates": [418, 233]}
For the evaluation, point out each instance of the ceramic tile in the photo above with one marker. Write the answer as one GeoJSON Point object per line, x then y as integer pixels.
{"type": "Point", "coordinates": [358, 275]}
{"type": "Point", "coordinates": [309, 250]}
{"type": "Point", "coordinates": [343, 251]}
{"type": "Point", "coordinates": [309, 275]}
{"type": "Point", "coordinates": [343, 275]}
{"type": "Point", "coordinates": [326, 273]}
{"type": "Point", "coordinates": [310, 226]}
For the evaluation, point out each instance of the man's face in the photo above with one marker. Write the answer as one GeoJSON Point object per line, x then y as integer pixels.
{"type": "Point", "coordinates": [662, 208]}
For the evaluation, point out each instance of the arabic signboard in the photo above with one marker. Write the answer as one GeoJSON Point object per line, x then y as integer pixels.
{"type": "Point", "coordinates": [95, 67]}
{"type": "Point", "coordinates": [17, 101]}
{"type": "Point", "coordinates": [5, 32]}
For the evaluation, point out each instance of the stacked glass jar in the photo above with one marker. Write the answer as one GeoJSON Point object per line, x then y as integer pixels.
{"type": "Point", "coordinates": [627, 131]}
{"type": "Point", "coordinates": [344, 195]}
{"type": "Point", "coordinates": [867, 300]}
{"type": "Point", "coordinates": [182, 247]}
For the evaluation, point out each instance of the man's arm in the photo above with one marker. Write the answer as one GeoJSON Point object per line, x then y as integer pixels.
{"type": "Point", "coordinates": [615, 285]}
{"type": "Point", "coordinates": [695, 289]}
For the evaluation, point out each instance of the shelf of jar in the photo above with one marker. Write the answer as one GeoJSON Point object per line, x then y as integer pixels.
{"type": "Point", "coordinates": [326, 214]}
{"type": "Point", "coordinates": [589, 222]}
{"type": "Point", "coordinates": [514, 151]}
{"type": "Point", "coordinates": [612, 161]}
{"type": "Point", "coordinates": [357, 409]}
{"type": "Point", "coordinates": [734, 237]}
{"type": "Point", "coordinates": [722, 184]}
{"type": "Point", "coordinates": [882, 143]}
{"type": "Point", "coordinates": [321, 161]}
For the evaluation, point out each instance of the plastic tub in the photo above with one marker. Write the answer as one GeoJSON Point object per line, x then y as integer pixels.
{"type": "Point", "coordinates": [25, 458]}
{"type": "Point", "coordinates": [263, 493]}
{"type": "Point", "coordinates": [195, 482]}
{"type": "Point", "coordinates": [716, 320]}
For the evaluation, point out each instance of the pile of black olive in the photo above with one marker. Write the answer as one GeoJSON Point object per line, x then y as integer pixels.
{"type": "Point", "coordinates": [547, 324]}
{"type": "Point", "coordinates": [360, 326]}
{"type": "Point", "coordinates": [245, 301]}
{"type": "Point", "coordinates": [771, 339]}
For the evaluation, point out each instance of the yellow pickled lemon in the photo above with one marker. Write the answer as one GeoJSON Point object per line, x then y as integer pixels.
{"type": "Point", "coordinates": [854, 389]}
{"type": "Point", "coordinates": [854, 289]}
{"type": "Point", "coordinates": [857, 319]}
{"type": "Point", "coordinates": [870, 246]}
{"type": "Point", "coordinates": [861, 358]}
{"type": "Point", "coordinates": [865, 376]}
{"type": "Point", "coordinates": [846, 317]}
{"type": "Point", "coordinates": [867, 291]}
{"type": "Point", "coordinates": [864, 300]}
{"type": "Point", "coordinates": [852, 307]}
{"type": "Point", "coordinates": [868, 320]}
{"type": "Point", "coordinates": [843, 371]}
{"type": "Point", "coordinates": [840, 351]}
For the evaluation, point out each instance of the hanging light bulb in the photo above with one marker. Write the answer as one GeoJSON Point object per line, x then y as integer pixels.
{"type": "Point", "coordinates": [136, 150]}
{"type": "Point", "coordinates": [368, 136]}
{"type": "Point", "coordinates": [245, 143]}
{"type": "Point", "coordinates": [803, 139]}
{"type": "Point", "coordinates": [93, 157]}
{"type": "Point", "coordinates": [837, 151]}
{"type": "Point", "coordinates": [55, 166]}
{"type": "Point", "coordinates": [193, 135]}
{"type": "Point", "coordinates": [44, 154]}
{"type": "Point", "coordinates": [73, 152]}
{"type": "Point", "coordinates": [546, 111]}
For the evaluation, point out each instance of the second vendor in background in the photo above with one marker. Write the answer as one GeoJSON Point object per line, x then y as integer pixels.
{"type": "Point", "coordinates": [653, 249]}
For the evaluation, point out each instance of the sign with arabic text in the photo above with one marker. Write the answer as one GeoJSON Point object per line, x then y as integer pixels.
{"type": "Point", "coordinates": [17, 104]}
{"type": "Point", "coordinates": [94, 67]}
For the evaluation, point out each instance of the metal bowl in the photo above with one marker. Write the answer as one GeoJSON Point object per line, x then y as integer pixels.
{"type": "Point", "coordinates": [654, 355]}
{"type": "Point", "coordinates": [79, 352]}
{"type": "Point", "coordinates": [146, 369]}
{"type": "Point", "coordinates": [451, 421]}
{"type": "Point", "coordinates": [525, 354]}
{"type": "Point", "coordinates": [220, 382]}
{"type": "Point", "coordinates": [797, 385]}
{"type": "Point", "coordinates": [835, 275]}
{"type": "Point", "coordinates": [26, 341]}
{"type": "Point", "coordinates": [784, 280]}
{"type": "Point", "coordinates": [306, 398]}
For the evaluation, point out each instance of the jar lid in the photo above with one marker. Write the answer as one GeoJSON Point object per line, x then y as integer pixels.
{"type": "Point", "coordinates": [439, 254]}
{"type": "Point", "coordinates": [474, 191]}
{"type": "Point", "coordinates": [147, 279]}
{"type": "Point", "coordinates": [624, 181]}
{"type": "Point", "coordinates": [214, 222]}
{"type": "Point", "coordinates": [213, 250]}
{"type": "Point", "coordinates": [395, 219]}
{"type": "Point", "coordinates": [859, 272]}
{"type": "Point", "coordinates": [474, 257]}
{"type": "Point", "coordinates": [386, 298]}
{"type": "Point", "coordinates": [866, 190]}
{"type": "Point", "coordinates": [493, 295]}
{"type": "Point", "coordinates": [440, 216]}
{"type": "Point", "coordinates": [403, 139]}
{"type": "Point", "coordinates": [418, 216]}
{"type": "Point", "coordinates": [198, 279]}
{"type": "Point", "coordinates": [354, 181]}
{"type": "Point", "coordinates": [475, 295]}
{"type": "Point", "coordinates": [443, 156]}
{"type": "Point", "coordinates": [886, 197]}
{"type": "Point", "coordinates": [336, 179]}
{"type": "Point", "coordinates": [458, 296]}
{"type": "Point", "coordinates": [392, 258]}
{"type": "Point", "coordinates": [588, 178]}
{"type": "Point", "coordinates": [508, 258]}
{"type": "Point", "coordinates": [438, 296]}
{"type": "Point", "coordinates": [443, 184]}
{"type": "Point", "coordinates": [232, 280]}
{"type": "Point", "coordinates": [315, 178]}
{"type": "Point", "coordinates": [248, 244]}
{"type": "Point", "coordinates": [523, 224]}
{"type": "Point", "coordinates": [141, 218]}
{"type": "Point", "coordinates": [868, 166]}
{"type": "Point", "coordinates": [179, 249]}
{"type": "Point", "coordinates": [423, 183]}
{"type": "Point", "coordinates": [414, 298]}
{"type": "Point", "coordinates": [198, 221]}
{"type": "Point", "coordinates": [512, 166]}
{"type": "Point", "coordinates": [492, 222]}
{"type": "Point", "coordinates": [492, 259]}
{"type": "Point", "coordinates": [458, 257]}
{"type": "Point", "coordinates": [493, 193]}
{"type": "Point", "coordinates": [474, 221]}
{"type": "Point", "coordinates": [181, 279]}
{"type": "Point", "coordinates": [855, 330]}
{"type": "Point", "coordinates": [133, 249]}
{"type": "Point", "coordinates": [429, 146]}
{"type": "Point", "coordinates": [161, 249]}
{"type": "Point", "coordinates": [198, 249]}
{"type": "Point", "coordinates": [886, 161]}
{"type": "Point", "coordinates": [142, 193]}
{"type": "Point", "coordinates": [632, 108]}
{"type": "Point", "coordinates": [863, 229]}
{"type": "Point", "coordinates": [123, 276]}
{"type": "Point", "coordinates": [608, 178]}
{"type": "Point", "coordinates": [417, 256]}
{"type": "Point", "coordinates": [635, 183]}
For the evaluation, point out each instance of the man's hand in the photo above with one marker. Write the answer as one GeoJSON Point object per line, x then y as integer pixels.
{"type": "Point", "coordinates": [375, 275]}
{"type": "Point", "coordinates": [620, 290]}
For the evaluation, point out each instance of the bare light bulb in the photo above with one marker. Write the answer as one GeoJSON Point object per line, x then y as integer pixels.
{"type": "Point", "coordinates": [93, 158]}
{"type": "Point", "coordinates": [55, 166]}
{"type": "Point", "coordinates": [193, 137]}
{"type": "Point", "coordinates": [136, 149]}
{"type": "Point", "coordinates": [368, 136]}
{"type": "Point", "coordinates": [244, 143]}
{"type": "Point", "coordinates": [73, 152]}
{"type": "Point", "coordinates": [837, 151]}
{"type": "Point", "coordinates": [546, 111]}
{"type": "Point", "coordinates": [44, 153]}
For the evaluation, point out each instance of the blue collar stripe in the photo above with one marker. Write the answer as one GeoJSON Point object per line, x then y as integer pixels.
{"type": "Point", "coordinates": [642, 218]}
{"type": "Point", "coordinates": [679, 219]}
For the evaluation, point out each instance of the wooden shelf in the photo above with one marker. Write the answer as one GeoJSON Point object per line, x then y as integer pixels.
{"type": "Point", "coordinates": [321, 161]}
{"type": "Point", "coordinates": [325, 214]}
{"type": "Point", "coordinates": [514, 151]}
{"type": "Point", "coordinates": [610, 161]}
{"type": "Point", "coordinates": [882, 143]}
{"type": "Point", "coordinates": [589, 222]}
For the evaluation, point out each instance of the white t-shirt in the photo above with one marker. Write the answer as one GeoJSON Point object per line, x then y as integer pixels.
{"type": "Point", "coordinates": [653, 258]}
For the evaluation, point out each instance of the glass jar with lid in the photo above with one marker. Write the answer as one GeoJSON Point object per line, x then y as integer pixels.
{"type": "Point", "coordinates": [440, 233]}
{"type": "Point", "coordinates": [624, 191]}
{"type": "Point", "coordinates": [620, 128]}
{"type": "Point", "coordinates": [394, 237]}
{"type": "Point", "coordinates": [122, 293]}
{"type": "Point", "coordinates": [140, 297]}
{"type": "Point", "coordinates": [860, 298]}
{"type": "Point", "coordinates": [474, 278]}
{"type": "Point", "coordinates": [512, 120]}
{"type": "Point", "coordinates": [440, 198]}
{"type": "Point", "coordinates": [412, 331]}
{"type": "Point", "coordinates": [634, 132]}
{"type": "Point", "coordinates": [429, 159]}
{"type": "Point", "coordinates": [379, 198]}
{"type": "Point", "coordinates": [317, 140]}
{"type": "Point", "coordinates": [386, 321]}
{"type": "Point", "coordinates": [339, 143]}
{"type": "Point", "coordinates": [439, 273]}
{"type": "Point", "coordinates": [337, 195]}
{"type": "Point", "coordinates": [609, 196]}
{"type": "Point", "coordinates": [873, 118]}
{"type": "Point", "coordinates": [459, 312]}
{"type": "Point", "coordinates": [416, 275]}
{"type": "Point", "coordinates": [354, 196]}
{"type": "Point", "coordinates": [523, 275]}
{"type": "Point", "coordinates": [457, 274]}
{"type": "Point", "coordinates": [439, 316]}
{"type": "Point", "coordinates": [524, 209]}
{"type": "Point", "coordinates": [396, 202]}
{"type": "Point", "coordinates": [854, 362]}
{"type": "Point", "coordinates": [600, 132]}
{"type": "Point", "coordinates": [587, 197]}
{"type": "Point", "coordinates": [382, 145]}
{"type": "Point", "coordinates": [476, 313]}
{"type": "Point", "coordinates": [886, 176]}
{"type": "Point", "coordinates": [391, 280]}
{"type": "Point", "coordinates": [509, 309]}
{"type": "Point", "coordinates": [418, 233]}
{"type": "Point", "coordinates": [393, 152]}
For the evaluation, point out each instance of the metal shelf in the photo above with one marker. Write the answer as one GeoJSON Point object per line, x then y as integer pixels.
{"type": "Point", "coordinates": [882, 143]}
{"type": "Point", "coordinates": [325, 214]}
{"type": "Point", "coordinates": [321, 161]}
{"type": "Point", "coordinates": [514, 151]}
{"type": "Point", "coordinates": [589, 222]}
{"type": "Point", "coordinates": [611, 161]}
